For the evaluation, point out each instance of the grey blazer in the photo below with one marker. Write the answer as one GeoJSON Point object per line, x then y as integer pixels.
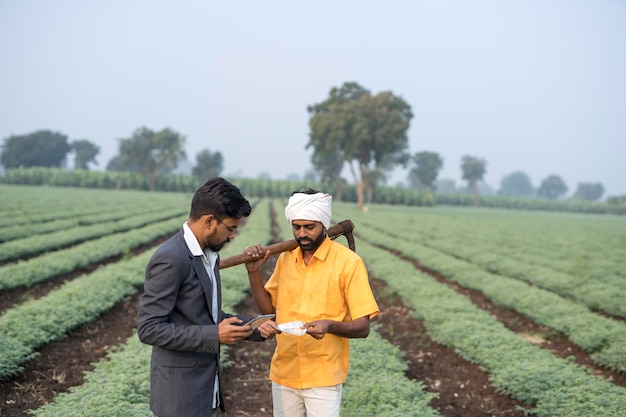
{"type": "Point", "coordinates": [175, 318]}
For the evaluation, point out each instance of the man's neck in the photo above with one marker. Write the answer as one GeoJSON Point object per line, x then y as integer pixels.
{"type": "Point", "coordinates": [307, 255]}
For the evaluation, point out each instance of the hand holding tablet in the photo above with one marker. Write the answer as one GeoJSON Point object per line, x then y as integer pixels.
{"type": "Point", "coordinates": [258, 320]}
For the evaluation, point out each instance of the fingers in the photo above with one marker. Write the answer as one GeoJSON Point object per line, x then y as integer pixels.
{"type": "Point", "coordinates": [269, 329]}
{"type": "Point", "coordinates": [231, 320]}
{"type": "Point", "coordinates": [231, 331]}
{"type": "Point", "coordinates": [256, 257]}
{"type": "Point", "coordinates": [316, 329]}
{"type": "Point", "coordinates": [271, 326]}
{"type": "Point", "coordinates": [230, 338]}
{"type": "Point", "coordinates": [254, 251]}
{"type": "Point", "coordinates": [235, 325]}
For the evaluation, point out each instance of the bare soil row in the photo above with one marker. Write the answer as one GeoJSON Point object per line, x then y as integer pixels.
{"type": "Point", "coordinates": [463, 389]}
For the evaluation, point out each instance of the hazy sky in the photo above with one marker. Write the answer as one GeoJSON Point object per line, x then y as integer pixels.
{"type": "Point", "coordinates": [537, 86]}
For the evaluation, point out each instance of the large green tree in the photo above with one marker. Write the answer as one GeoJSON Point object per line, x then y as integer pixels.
{"type": "Point", "coordinates": [552, 187]}
{"type": "Point", "coordinates": [516, 184]}
{"type": "Point", "coordinates": [42, 148]}
{"type": "Point", "coordinates": [85, 153]}
{"type": "Point", "coordinates": [473, 170]}
{"type": "Point", "coordinates": [208, 165]}
{"type": "Point", "coordinates": [367, 132]}
{"type": "Point", "coordinates": [152, 152]}
{"type": "Point", "coordinates": [589, 191]}
{"type": "Point", "coordinates": [425, 170]}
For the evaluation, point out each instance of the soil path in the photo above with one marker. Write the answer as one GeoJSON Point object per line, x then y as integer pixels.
{"type": "Point", "coordinates": [463, 388]}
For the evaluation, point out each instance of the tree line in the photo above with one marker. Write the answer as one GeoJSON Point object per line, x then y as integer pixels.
{"type": "Point", "coordinates": [352, 127]}
{"type": "Point", "coordinates": [146, 151]}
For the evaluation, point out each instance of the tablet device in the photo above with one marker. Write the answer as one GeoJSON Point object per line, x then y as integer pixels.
{"type": "Point", "coordinates": [259, 320]}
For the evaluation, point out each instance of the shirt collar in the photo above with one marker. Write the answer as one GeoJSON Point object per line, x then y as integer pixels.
{"type": "Point", "coordinates": [320, 253]}
{"type": "Point", "coordinates": [194, 247]}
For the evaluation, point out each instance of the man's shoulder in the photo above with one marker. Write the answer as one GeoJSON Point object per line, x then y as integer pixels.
{"type": "Point", "coordinates": [175, 244]}
{"type": "Point", "coordinates": [343, 251]}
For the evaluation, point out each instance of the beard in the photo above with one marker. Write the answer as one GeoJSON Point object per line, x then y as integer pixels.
{"type": "Point", "coordinates": [210, 243]}
{"type": "Point", "coordinates": [311, 245]}
{"type": "Point", "coordinates": [216, 248]}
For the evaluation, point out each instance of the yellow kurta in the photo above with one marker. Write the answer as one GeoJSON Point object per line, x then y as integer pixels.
{"type": "Point", "coordinates": [334, 286]}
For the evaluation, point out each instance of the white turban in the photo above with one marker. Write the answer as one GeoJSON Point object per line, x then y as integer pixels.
{"type": "Point", "coordinates": [315, 207]}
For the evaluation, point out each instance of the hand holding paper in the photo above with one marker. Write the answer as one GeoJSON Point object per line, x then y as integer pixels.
{"type": "Point", "coordinates": [293, 327]}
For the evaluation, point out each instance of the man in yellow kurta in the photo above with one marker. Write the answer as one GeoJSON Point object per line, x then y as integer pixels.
{"type": "Point", "coordinates": [322, 287]}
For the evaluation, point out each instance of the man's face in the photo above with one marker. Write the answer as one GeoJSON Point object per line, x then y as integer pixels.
{"type": "Point", "coordinates": [219, 232]}
{"type": "Point", "coordinates": [309, 234]}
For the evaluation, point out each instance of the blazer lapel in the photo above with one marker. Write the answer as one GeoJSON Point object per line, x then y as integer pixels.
{"type": "Point", "coordinates": [205, 282]}
{"type": "Point", "coordinates": [218, 282]}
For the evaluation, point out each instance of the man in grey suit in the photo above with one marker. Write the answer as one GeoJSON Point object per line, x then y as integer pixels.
{"type": "Point", "coordinates": [180, 312]}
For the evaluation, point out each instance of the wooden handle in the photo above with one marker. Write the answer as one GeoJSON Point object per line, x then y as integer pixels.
{"type": "Point", "coordinates": [342, 228]}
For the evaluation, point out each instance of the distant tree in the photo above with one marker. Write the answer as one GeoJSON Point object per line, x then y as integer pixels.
{"type": "Point", "coordinates": [42, 148]}
{"type": "Point", "coordinates": [86, 153]}
{"type": "Point", "coordinates": [208, 165]}
{"type": "Point", "coordinates": [368, 132]}
{"type": "Point", "coordinates": [115, 164]}
{"type": "Point", "coordinates": [617, 199]}
{"type": "Point", "coordinates": [264, 176]}
{"type": "Point", "coordinates": [152, 151]}
{"type": "Point", "coordinates": [588, 191]}
{"type": "Point", "coordinates": [473, 171]}
{"type": "Point", "coordinates": [425, 170]}
{"type": "Point", "coordinates": [552, 187]}
{"type": "Point", "coordinates": [516, 184]}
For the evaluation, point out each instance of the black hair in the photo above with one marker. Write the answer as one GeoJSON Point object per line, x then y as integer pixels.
{"type": "Point", "coordinates": [220, 198]}
{"type": "Point", "coordinates": [305, 190]}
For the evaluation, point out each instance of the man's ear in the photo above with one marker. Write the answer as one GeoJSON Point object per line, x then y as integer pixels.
{"type": "Point", "coordinates": [208, 218]}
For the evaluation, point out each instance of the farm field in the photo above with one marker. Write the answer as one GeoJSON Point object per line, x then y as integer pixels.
{"type": "Point", "coordinates": [483, 311]}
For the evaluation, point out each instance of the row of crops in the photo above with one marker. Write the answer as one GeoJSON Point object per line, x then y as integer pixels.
{"type": "Point", "coordinates": [119, 384]}
{"type": "Point", "coordinates": [267, 188]}
{"type": "Point", "coordinates": [452, 241]}
{"type": "Point", "coordinates": [564, 271]}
